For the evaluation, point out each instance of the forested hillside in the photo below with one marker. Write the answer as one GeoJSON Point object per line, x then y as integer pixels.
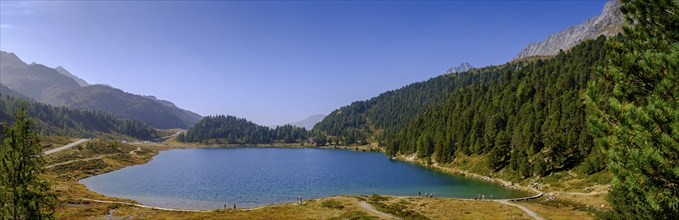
{"type": "Point", "coordinates": [222, 129]}
{"type": "Point", "coordinates": [383, 116]}
{"type": "Point", "coordinates": [65, 121]}
{"type": "Point", "coordinates": [526, 115]}
{"type": "Point", "coordinates": [529, 116]}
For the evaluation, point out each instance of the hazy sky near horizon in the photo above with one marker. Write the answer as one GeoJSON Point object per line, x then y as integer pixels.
{"type": "Point", "coordinates": [274, 62]}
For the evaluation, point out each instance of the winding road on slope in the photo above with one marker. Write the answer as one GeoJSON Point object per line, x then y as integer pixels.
{"type": "Point", "coordinates": [66, 146]}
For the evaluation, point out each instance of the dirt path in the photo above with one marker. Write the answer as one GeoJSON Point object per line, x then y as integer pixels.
{"type": "Point", "coordinates": [66, 146]}
{"type": "Point", "coordinates": [91, 158]}
{"type": "Point", "coordinates": [580, 193]}
{"type": "Point", "coordinates": [84, 159]}
{"type": "Point", "coordinates": [143, 206]}
{"type": "Point", "coordinates": [372, 209]}
{"type": "Point", "coordinates": [528, 211]}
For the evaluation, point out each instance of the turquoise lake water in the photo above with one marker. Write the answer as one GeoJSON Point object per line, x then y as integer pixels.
{"type": "Point", "coordinates": [212, 177]}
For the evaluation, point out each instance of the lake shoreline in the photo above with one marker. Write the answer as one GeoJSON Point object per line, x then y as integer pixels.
{"type": "Point", "coordinates": [449, 171]}
{"type": "Point", "coordinates": [460, 172]}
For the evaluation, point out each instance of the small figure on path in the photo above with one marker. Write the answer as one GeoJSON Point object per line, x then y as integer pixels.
{"type": "Point", "coordinates": [234, 206]}
{"type": "Point", "coordinates": [419, 194]}
{"type": "Point", "coordinates": [426, 194]}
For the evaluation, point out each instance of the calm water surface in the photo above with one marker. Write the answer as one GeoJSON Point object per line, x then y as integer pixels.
{"type": "Point", "coordinates": [211, 178]}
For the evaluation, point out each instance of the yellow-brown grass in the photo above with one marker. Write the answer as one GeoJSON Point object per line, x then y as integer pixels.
{"type": "Point", "coordinates": [117, 155]}
{"type": "Point", "coordinates": [556, 210]}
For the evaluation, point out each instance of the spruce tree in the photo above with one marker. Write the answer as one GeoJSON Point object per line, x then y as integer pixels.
{"type": "Point", "coordinates": [24, 194]}
{"type": "Point", "coordinates": [634, 111]}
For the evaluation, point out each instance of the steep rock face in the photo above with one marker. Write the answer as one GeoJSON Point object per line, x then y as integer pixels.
{"type": "Point", "coordinates": [463, 67]}
{"type": "Point", "coordinates": [608, 23]}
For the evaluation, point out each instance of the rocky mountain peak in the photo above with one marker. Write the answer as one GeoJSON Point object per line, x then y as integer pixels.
{"type": "Point", "coordinates": [463, 67]}
{"type": "Point", "coordinates": [608, 23]}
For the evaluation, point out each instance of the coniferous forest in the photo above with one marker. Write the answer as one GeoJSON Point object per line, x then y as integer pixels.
{"type": "Point", "coordinates": [222, 129]}
{"type": "Point", "coordinates": [607, 106]}
{"type": "Point", "coordinates": [603, 104]}
{"type": "Point", "coordinates": [527, 112]}
{"type": "Point", "coordinates": [63, 121]}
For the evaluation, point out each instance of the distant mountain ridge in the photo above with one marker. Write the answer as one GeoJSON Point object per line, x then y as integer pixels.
{"type": "Point", "coordinates": [65, 72]}
{"type": "Point", "coordinates": [66, 121]}
{"type": "Point", "coordinates": [608, 23]}
{"type": "Point", "coordinates": [35, 81]}
{"type": "Point", "coordinates": [9, 92]}
{"type": "Point", "coordinates": [463, 67]}
{"type": "Point", "coordinates": [61, 88]}
{"type": "Point", "coordinates": [309, 122]}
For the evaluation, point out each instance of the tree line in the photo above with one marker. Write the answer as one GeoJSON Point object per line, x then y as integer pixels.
{"type": "Point", "coordinates": [527, 116]}
{"type": "Point", "coordinates": [604, 104]}
{"type": "Point", "coordinates": [221, 129]}
{"type": "Point", "coordinates": [64, 121]}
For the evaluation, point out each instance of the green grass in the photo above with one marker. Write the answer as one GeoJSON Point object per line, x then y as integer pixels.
{"type": "Point", "coordinates": [333, 204]}
{"type": "Point", "coordinates": [400, 209]}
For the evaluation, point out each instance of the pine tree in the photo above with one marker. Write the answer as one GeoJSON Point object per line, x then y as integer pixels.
{"type": "Point", "coordinates": [24, 194]}
{"type": "Point", "coordinates": [634, 111]}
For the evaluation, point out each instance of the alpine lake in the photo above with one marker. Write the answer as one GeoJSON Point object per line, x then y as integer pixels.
{"type": "Point", "coordinates": [210, 178]}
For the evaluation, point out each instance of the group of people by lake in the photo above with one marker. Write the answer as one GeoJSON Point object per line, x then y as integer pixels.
{"type": "Point", "coordinates": [427, 195]}
{"type": "Point", "coordinates": [482, 197]}
{"type": "Point", "coordinates": [299, 200]}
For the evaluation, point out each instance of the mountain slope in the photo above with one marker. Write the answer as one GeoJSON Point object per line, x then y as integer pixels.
{"type": "Point", "coordinates": [308, 122]}
{"type": "Point", "coordinates": [61, 88]}
{"type": "Point", "coordinates": [381, 117]}
{"type": "Point", "coordinates": [65, 72]}
{"type": "Point", "coordinates": [608, 23]}
{"type": "Point", "coordinates": [9, 92]}
{"type": "Point", "coordinates": [123, 104]}
{"type": "Point", "coordinates": [36, 81]}
{"type": "Point", "coordinates": [530, 118]}
{"type": "Point", "coordinates": [186, 116]}
{"type": "Point", "coordinates": [222, 129]}
{"type": "Point", "coordinates": [527, 116]}
{"type": "Point", "coordinates": [72, 122]}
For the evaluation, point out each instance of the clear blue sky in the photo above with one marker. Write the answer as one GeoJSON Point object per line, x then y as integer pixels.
{"type": "Point", "coordinates": [275, 61]}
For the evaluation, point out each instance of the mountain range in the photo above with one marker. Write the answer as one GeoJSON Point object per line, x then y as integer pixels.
{"type": "Point", "coordinates": [608, 23]}
{"type": "Point", "coordinates": [58, 87]}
